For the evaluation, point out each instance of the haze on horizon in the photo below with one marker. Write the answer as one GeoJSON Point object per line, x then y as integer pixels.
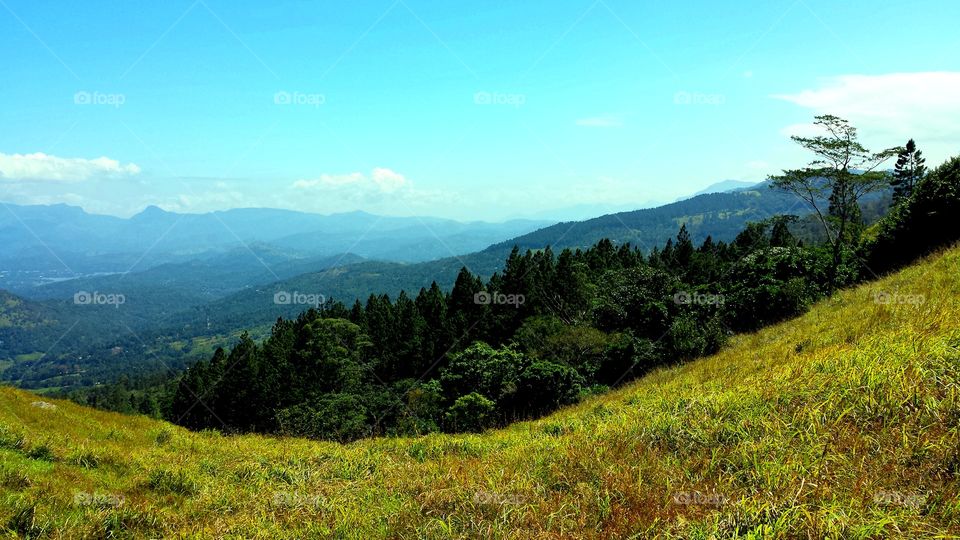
{"type": "Point", "coordinates": [416, 107]}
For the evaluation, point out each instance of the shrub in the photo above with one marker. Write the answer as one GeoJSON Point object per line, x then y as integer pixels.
{"type": "Point", "coordinates": [471, 412]}
{"type": "Point", "coordinates": [337, 417]}
{"type": "Point", "coordinates": [546, 386]}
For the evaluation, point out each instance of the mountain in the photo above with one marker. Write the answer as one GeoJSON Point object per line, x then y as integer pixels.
{"type": "Point", "coordinates": [725, 186]}
{"type": "Point", "coordinates": [775, 436]}
{"type": "Point", "coordinates": [50, 243]}
{"type": "Point", "coordinates": [580, 212]}
{"type": "Point", "coordinates": [720, 215]}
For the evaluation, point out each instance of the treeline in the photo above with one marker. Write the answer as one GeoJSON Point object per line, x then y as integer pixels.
{"type": "Point", "coordinates": [541, 334]}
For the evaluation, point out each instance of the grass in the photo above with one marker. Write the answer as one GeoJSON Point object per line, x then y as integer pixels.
{"type": "Point", "coordinates": [844, 423]}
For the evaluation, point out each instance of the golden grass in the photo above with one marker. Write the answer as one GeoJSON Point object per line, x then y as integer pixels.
{"type": "Point", "coordinates": [844, 423]}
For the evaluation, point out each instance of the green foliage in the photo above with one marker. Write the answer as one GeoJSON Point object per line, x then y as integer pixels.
{"type": "Point", "coordinates": [908, 171]}
{"type": "Point", "coordinates": [338, 417]}
{"type": "Point", "coordinates": [773, 284]}
{"type": "Point", "coordinates": [923, 222]}
{"type": "Point", "coordinates": [547, 386]}
{"type": "Point", "coordinates": [471, 412]}
{"type": "Point", "coordinates": [585, 319]}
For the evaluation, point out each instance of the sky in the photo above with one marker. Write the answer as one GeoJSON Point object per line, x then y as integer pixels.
{"type": "Point", "coordinates": [473, 111]}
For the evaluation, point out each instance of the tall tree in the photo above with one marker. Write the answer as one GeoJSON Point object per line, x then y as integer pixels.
{"type": "Point", "coordinates": [842, 172]}
{"type": "Point", "coordinates": [684, 249]}
{"type": "Point", "coordinates": [909, 170]}
{"type": "Point", "coordinates": [780, 235]}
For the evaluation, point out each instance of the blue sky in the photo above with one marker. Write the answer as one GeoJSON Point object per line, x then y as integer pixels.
{"type": "Point", "coordinates": [472, 111]}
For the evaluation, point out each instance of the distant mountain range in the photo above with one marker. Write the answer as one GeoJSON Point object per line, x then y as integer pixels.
{"type": "Point", "coordinates": [725, 186]}
{"type": "Point", "coordinates": [196, 299]}
{"type": "Point", "coordinates": [46, 243]}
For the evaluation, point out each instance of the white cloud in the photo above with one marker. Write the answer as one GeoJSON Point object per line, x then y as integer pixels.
{"type": "Point", "coordinates": [606, 121]}
{"type": "Point", "coordinates": [330, 181]}
{"type": "Point", "coordinates": [383, 190]}
{"type": "Point", "coordinates": [388, 181]}
{"type": "Point", "coordinates": [890, 108]}
{"type": "Point", "coordinates": [381, 180]}
{"type": "Point", "coordinates": [42, 167]}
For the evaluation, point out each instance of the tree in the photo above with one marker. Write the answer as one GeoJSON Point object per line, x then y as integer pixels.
{"type": "Point", "coordinates": [547, 386]}
{"type": "Point", "coordinates": [842, 172]}
{"type": "Point", "coordinates": [684, 250]}
{"type": "Point", "coordinates": [924, 222]}
{"type": "Point", "coordinates": [471, 412]}
{"type": "Point", "coordinates": [781, 236]}
{"type": "Point", "coordinates": [482, 369]}
{"type": "Point", "coordinates": [907, 173]}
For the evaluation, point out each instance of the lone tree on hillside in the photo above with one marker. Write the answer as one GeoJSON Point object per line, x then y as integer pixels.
{"type": "Point", "coordinates": [842, 172]}
{"type": "Point", "coordinates": [909, 170]}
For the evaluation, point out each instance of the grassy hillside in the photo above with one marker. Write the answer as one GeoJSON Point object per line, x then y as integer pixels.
{"type": "Point", "coordinates": [844, 423]}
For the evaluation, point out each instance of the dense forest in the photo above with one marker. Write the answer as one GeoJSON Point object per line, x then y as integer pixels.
{"type": "Point", "coordinates": [551, 327]}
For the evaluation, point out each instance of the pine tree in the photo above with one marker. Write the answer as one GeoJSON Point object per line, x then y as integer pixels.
{"type": "Point", "coordinates": [909, 170]}
{"type": "Point", "coordinates": [683, 252]}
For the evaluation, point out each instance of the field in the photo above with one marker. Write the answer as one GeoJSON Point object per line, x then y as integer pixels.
{"type": "Point", "coordinates": [843, 423]}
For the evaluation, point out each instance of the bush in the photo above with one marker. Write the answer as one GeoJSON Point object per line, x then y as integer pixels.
{"type": "Point", "coordinates": [546, 386]}
{"type": "Point", "coordinates": [471, 412]}
{"type": "Point", "coordinates": [773, 284]}
{"type": "Point", "coordinates": [337, 417]}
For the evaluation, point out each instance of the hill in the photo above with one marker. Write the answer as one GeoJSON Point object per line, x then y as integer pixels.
{"type": "Point", "coordinates": [720, 215]}
{"type": "Point", "coordinates": [842, 423]}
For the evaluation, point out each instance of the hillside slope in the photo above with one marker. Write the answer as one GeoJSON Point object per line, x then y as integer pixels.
{"type": "Point", "coordinates": [843, 423]}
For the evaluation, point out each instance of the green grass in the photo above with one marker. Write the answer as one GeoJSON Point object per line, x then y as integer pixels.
{"type": "Point", "coordinates": [844, 423]}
